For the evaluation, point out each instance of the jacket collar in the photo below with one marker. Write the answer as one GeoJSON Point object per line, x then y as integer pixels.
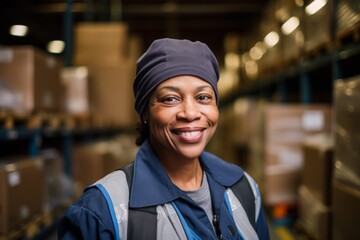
{"type": "Point", "coordinates": [151, 185]}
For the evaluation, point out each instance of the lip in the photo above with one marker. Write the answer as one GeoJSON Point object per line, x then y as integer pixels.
{"type": "Point", "coordinates": [189, 134]}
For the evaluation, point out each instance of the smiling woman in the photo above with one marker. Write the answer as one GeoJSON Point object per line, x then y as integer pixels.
{"type": "Point", "coordinates": [174, 189]}
{"type": "Point", "coordinates": [182, 118]}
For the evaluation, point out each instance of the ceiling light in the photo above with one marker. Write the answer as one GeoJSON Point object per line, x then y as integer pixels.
{"type": "Point", "coordinates": [251, 68]}
{"type": "Point", "coordinates": [255, 53]}
{"type": "Point", "coordinates": [290, 25]}
{"type": "Point", "coordinates": [246, 57]}
{"type": "Point", "coordinates": [232, 60]}
{"type": "Point", "coordinates": [261, 46]}
{"type": "Point", "coordinates": [18, 30]}
{"type": "Point", "coordinates": [299, 3]}
{"type": "Point", "coordinates": [315, 6]}
{"type": "Point", "coordinates": [56, 46]}
{"type": "Point", "coordinates": [271, 39]}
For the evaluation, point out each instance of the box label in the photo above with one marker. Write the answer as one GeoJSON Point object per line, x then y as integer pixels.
{"type": "Point", "coordinates": [14, 178]}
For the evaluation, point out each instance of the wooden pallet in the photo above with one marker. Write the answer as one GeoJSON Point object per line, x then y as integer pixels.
{"type": "Point", "coordinates": [293, 60]}
{"type": "Point", "coordinates": [319, 50]}
{"type": "Point", "coordinates": [11, 120]}
{"type": "Point", "coordinates": [52, 121]}
{"type": "Point", "coordinates": [27, 229]}
{"type": "Point", "coordinates": [55, 121]}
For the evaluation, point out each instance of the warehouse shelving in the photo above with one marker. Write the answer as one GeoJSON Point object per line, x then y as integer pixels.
{"type": "Point", "coordinates": [306, 69]}
{"type": "Point", "coordinates": [304, 76]}
{"type": "Point", "coordinates": [37, 139]}
{"type": "Point", "coordinates": [22, 141]}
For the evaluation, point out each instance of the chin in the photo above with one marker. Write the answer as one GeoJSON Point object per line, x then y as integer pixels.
{"type": "Point", "coordinates": [191, 152]}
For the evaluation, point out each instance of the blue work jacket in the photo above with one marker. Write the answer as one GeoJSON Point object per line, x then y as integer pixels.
{"type": "Point", "coordinates": [89, 217]}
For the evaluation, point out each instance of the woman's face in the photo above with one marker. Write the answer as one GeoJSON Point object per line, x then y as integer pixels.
{"type": "Point", "coordinates": [182, 117]}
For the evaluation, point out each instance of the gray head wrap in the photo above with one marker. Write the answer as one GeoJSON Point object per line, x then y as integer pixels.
{"type": "Point", "coordinates": [167, 58]}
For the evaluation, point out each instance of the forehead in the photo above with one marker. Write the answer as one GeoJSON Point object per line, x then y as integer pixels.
{"type": "Point", "coordinates": [184, 81]}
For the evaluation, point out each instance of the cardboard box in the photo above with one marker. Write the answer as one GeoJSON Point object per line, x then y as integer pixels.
{"type": "Point", "coordinates": [32, 79]}
{"type": "Point", "coordinates": [76, 85]}
{"type": "Point", "coordinates": [21, 191]}
{"type": "Point", "coordinates": [135, 48]}
{"type": "Point", "coordinates": [100, 44]}
{"type": "Point", "coordinates": [317, 170]}
{"type": "Point", "coordinates": [93, 161]}
{"type": "Point", "coordinates": [281, 184]}
{"type": "Point", "coordinates": [314, 216]}
{"type": "Point", "coordinates": [87, 165]}
{"type": "Point", "coordinates": [111, 94]}
{"type": "Point", "coordinates": [231, 140]}
{"type": "Point", "coordinates": [288, 125]}
{"type": "Point", "coordinates": [285, 129]}
{"type": "Point", "coordinates": [346, 211]}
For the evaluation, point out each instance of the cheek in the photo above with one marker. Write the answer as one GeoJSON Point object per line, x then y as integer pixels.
{"type": "Point", "coordinates": [212, 115]}
{"type": "Point", "coordinates": [160, 116]}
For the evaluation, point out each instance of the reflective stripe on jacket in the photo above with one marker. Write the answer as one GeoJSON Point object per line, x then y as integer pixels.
{"type": "Point", "coordinates": [88, 218]}
{"type": "Point", "coordinates": [171, 224]}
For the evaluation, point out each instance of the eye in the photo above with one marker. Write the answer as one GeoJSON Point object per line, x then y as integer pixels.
{"type": "Point", "coordinates": [204, 98]}
{"type": "Point", "coordinates": [169, 99]}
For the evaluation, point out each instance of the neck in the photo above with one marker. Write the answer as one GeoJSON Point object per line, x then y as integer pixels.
{"type": "Point", "coordinates": [187, 175]}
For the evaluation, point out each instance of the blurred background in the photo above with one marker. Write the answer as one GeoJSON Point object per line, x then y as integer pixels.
{"type": "Point", "coordinates": [289, 103]}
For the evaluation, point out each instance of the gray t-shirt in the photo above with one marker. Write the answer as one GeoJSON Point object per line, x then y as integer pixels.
{"type": "Point", "coordinates": [203, 198]}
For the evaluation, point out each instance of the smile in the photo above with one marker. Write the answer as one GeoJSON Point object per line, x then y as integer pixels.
{"type": "Point", "coordinates": [188, 134]}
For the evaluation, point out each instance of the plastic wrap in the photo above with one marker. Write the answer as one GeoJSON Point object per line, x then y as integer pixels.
{"type": "Point", "coordinates": [347, 130]}
{"type": "Point", "coordinates": [347, 15]}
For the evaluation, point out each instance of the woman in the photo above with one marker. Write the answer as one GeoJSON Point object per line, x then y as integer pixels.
{"type": "Point", "coordinates": [193, 194]}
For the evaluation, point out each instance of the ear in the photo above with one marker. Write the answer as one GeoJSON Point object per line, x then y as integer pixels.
{"type": "Point", "coordinates": [145, 117]}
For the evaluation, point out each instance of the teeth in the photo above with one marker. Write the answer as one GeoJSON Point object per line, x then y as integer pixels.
{"type": "Point", "coordinates": [189, 134]}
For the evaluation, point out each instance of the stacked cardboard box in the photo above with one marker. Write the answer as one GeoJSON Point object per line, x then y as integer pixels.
{"type": "Point", "coordinates": [109, 55]}
{"type": "Point", "coordinates": [93, 161]}
{"type": "Point", "coordinates": [21, 191]}
{"type": "Point", "coordinates": [111, 94]}
{"type": "Point", "coordinates": [101, 44]}
{"type": "Point", "coordinates": [316, 185]}
{"type": "Point", "coordinates": [231, 139]}
{"type": "Point", "coordinates": [76, 81]}
{"type": "Point", "coordinates": [285, 129]}
{"type": "Point", "coordinates": [31, 80]}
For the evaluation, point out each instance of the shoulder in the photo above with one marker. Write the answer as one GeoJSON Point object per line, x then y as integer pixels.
{"type": "Point", "coordinates": [86, 218]}
{"type": "Point", "coordinates": [117, 178]}
{"type": "Point", "coordinates": [91, 203]}
{"type": "Point", "coordinates": [94, 199]}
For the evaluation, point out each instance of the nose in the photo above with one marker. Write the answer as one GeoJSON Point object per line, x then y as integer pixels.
{"type": "Point", "coordinates": [189, 110]}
